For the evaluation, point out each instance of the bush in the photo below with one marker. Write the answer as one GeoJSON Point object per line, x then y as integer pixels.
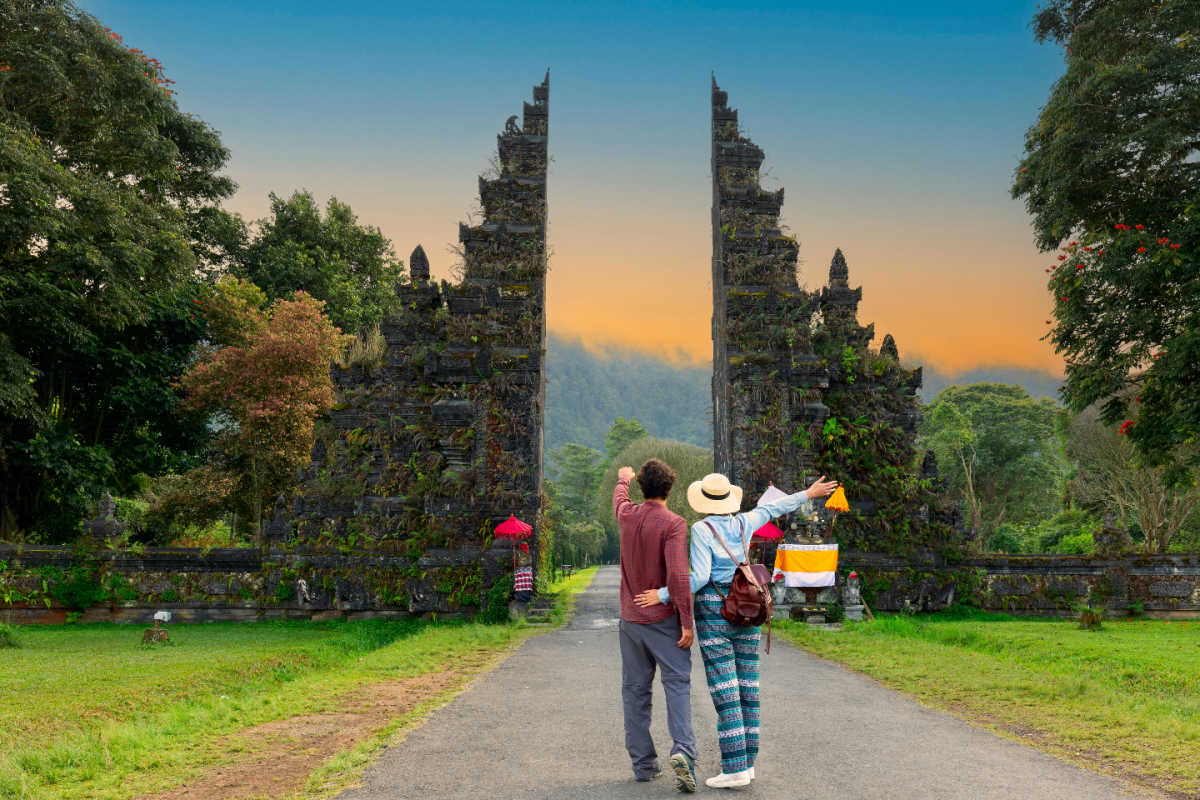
{"type": "Point", "coordinates": [78, 588]}
{"type": "Point", "coordinates": [495, 609]}
{"type": "Point", "coordinates": [8, 637]}
{"type": "Point", "coordinates": [1004, 540]}
{"type": "Point", "coordinates": [1071, 522]}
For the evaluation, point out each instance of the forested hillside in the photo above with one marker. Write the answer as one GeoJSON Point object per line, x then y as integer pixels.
{"type": "Point", "coordinates": [586, 391]}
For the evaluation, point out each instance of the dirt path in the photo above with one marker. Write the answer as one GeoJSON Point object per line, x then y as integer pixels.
{"type": "Point", "coordinates": [281, 755]}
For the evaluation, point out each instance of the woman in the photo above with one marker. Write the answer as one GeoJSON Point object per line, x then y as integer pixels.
{"type": "Point", "coordinates": [730, 654]}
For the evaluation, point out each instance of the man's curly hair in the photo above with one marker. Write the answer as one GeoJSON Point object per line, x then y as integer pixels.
{"type": "Point", "coordinates": [656, 479]}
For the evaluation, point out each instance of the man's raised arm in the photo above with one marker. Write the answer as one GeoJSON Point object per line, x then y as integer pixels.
{"type": "Point", "coordinates": [621, 502]}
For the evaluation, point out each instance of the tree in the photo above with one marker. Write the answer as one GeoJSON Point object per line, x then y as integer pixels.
{"type": "Point", "coordinates": [622, 434]}
{"type": "Point", "coordinates": [1111, 172]}
{"type": "Point", "coordinates": [690, 463]}
{"type": "Point", "coordinates": [350, 267]}
{"type": "Point", "coordinates": [266, 388]}
{"type": "Point", "coordinates": [1117, 139]}
{"type": "Point", "coordinates": [1110, 475]}
{"type": "Point", "coordinates": [997, 451]}
{"type": "Point", "coordinates": [110, 216]}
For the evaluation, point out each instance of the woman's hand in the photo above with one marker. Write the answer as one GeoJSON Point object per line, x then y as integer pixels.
{"type": "Point", "coordinates": [820, 488]}
{"type": "Point", "coordinates": [647, 598]}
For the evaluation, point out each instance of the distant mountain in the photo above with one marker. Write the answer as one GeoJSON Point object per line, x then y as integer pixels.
{"type": "Point", "coordinates": [586, 391]}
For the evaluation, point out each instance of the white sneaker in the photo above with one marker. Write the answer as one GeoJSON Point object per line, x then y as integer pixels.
{"type": "Point", "coordinates": [751, 771]}
{"type": "Point", "coordinates": [732, 781]}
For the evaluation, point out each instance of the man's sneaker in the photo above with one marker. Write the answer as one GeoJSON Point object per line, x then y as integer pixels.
{"type": "Point", "coordinates": [650, 777]}
{"type": "Point", "coordinates": [731, 781]}
{"type": "Point", "coordinates": [685, 772]}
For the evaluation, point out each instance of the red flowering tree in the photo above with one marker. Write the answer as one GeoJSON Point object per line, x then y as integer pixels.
{"type": "Point", "coordinates": [1111, 172]}
{"type": "Point", "coordinates": [265, 388]}
{"type": "Point", "coordinates": [1127, 320]}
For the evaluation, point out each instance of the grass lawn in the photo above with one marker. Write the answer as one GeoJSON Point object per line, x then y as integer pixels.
{"type": "Point", "coordinates": [1124, 700]}
{"type": "Point", "coordinates": [87, 712]}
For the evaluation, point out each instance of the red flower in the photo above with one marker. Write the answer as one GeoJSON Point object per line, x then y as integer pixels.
{"type": "Point", "coordinates": [1099, 252]}
{"type": "Point", "coordinates": [1064, 299]}
{"type": "Point", "coordinates": [1062, 258]}
{"type": "Point", "coordinates": [1137, 399]}
{"type": "Point", "coordinates": [1140, 227]}
{"type": "Point", "coordinates": [1163, 240]}
{"type": "Point", "coordinates": [1073, 244]}
{"type": "Point", "coordinates": [1175, 246]}
{"type": "Point", "coordinates": [1141, 249]}
{"type": "Point", "coordinates": [1079, 266]}
{"type": "Point", "coordinates": [1125, 426]}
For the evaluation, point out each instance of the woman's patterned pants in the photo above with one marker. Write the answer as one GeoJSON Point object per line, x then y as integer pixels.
{"type": "Point", "coordinates": [731, 667]}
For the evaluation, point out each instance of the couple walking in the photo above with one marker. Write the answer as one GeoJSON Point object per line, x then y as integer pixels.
{"type": "Point", "coordinates": [665, 606]}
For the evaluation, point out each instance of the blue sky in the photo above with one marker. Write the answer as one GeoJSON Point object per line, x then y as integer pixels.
{"type": "Point", "coordinates": [894, 127]}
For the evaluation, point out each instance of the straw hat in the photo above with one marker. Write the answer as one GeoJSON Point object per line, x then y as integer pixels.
{"type": "Point", "coordinates": [714, 494]}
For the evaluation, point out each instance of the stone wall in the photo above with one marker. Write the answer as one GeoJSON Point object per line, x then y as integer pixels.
{"type": "Point", "coordinates": [242, 584]}
{"type": "Point", "coordinates": [196, 585]}
{"type": "Point", "coordinates": [1042, 585]}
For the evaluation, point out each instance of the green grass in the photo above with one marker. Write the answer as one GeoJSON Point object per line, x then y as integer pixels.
{"type": "Point", "coordinates": [87, 712]}
{"type": "Point", "coordinates": [1124, 700]}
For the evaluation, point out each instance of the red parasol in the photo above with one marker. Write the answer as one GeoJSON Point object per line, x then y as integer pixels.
{"type": "Point", "coordinates": [768, 531]}
{"type": "Point", "coordinates": [513, 528]}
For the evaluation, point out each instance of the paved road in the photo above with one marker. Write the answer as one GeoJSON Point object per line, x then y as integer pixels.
{"type": "Point", "coordinates": [547, 724]}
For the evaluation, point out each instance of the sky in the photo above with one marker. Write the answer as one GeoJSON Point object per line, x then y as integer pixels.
{"type": "Point", "coordinates": [895, 129]}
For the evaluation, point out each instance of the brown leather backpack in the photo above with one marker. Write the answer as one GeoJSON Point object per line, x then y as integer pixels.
{"type": "Point", "coordinates": [749, 602]}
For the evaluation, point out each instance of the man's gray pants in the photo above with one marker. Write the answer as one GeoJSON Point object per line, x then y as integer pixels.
{"type": "Point", "coordinates": [643, 647]}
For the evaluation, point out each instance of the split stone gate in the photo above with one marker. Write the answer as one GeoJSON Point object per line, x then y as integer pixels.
{"type": "Point", "coordinates": [426, 453]}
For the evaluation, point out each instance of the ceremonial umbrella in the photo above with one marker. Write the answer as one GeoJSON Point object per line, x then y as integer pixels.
{"type": "Point", "coordinates": [512, 528]}
{"type": "Point", "coordinates": [768, 531]}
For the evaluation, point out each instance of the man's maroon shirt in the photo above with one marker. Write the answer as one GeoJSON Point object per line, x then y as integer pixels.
{"type": "Point", "coordinates": [654, 556]}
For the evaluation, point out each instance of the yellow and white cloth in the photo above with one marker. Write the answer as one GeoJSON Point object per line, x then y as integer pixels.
{"type": "Point", "coordinates": [806, 565]}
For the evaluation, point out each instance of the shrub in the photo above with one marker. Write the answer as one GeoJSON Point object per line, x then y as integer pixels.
{"type": "Point", "coordinates": [78, 588]}
{"type": "Point", "coordinates": [1004, 540]}
{"type": "Point", "coordinates": [8, 637]}
{"type": "Point", "coordinates": [1071, 522]}
{"type": "Point", "coordinates": [495, 609]}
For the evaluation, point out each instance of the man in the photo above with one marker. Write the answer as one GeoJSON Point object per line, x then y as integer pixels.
{"type": "Point", "coordinates": [654, 554]}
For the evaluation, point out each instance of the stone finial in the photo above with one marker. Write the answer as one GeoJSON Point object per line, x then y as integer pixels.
{"type": "Point", "coordinates": [106, 523]}
{"type": "Point", "coordinates": [418, 265]}
{"type": "Point", "coordinates": [838, 271]}
{"type": "Point", "coordinates": [888, 347]}
{"type": "Point", "coordinates": [511, 128]}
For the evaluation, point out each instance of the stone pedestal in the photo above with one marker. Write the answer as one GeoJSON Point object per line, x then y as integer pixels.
{"type": "Point", "coordinates": [852, 605]}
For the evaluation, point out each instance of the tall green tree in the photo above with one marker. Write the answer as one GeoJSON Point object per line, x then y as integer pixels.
{"type": "Point", "coordinates": [1111, 173]}
{"type": "Point", "coordinates": [997, 449]}
{"type": "Point", "coordinates": [350, 267]}
{"type": "Point", "coordinates": [623, 433]}
{"type": "Point", "coordinates": [109, 213]}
